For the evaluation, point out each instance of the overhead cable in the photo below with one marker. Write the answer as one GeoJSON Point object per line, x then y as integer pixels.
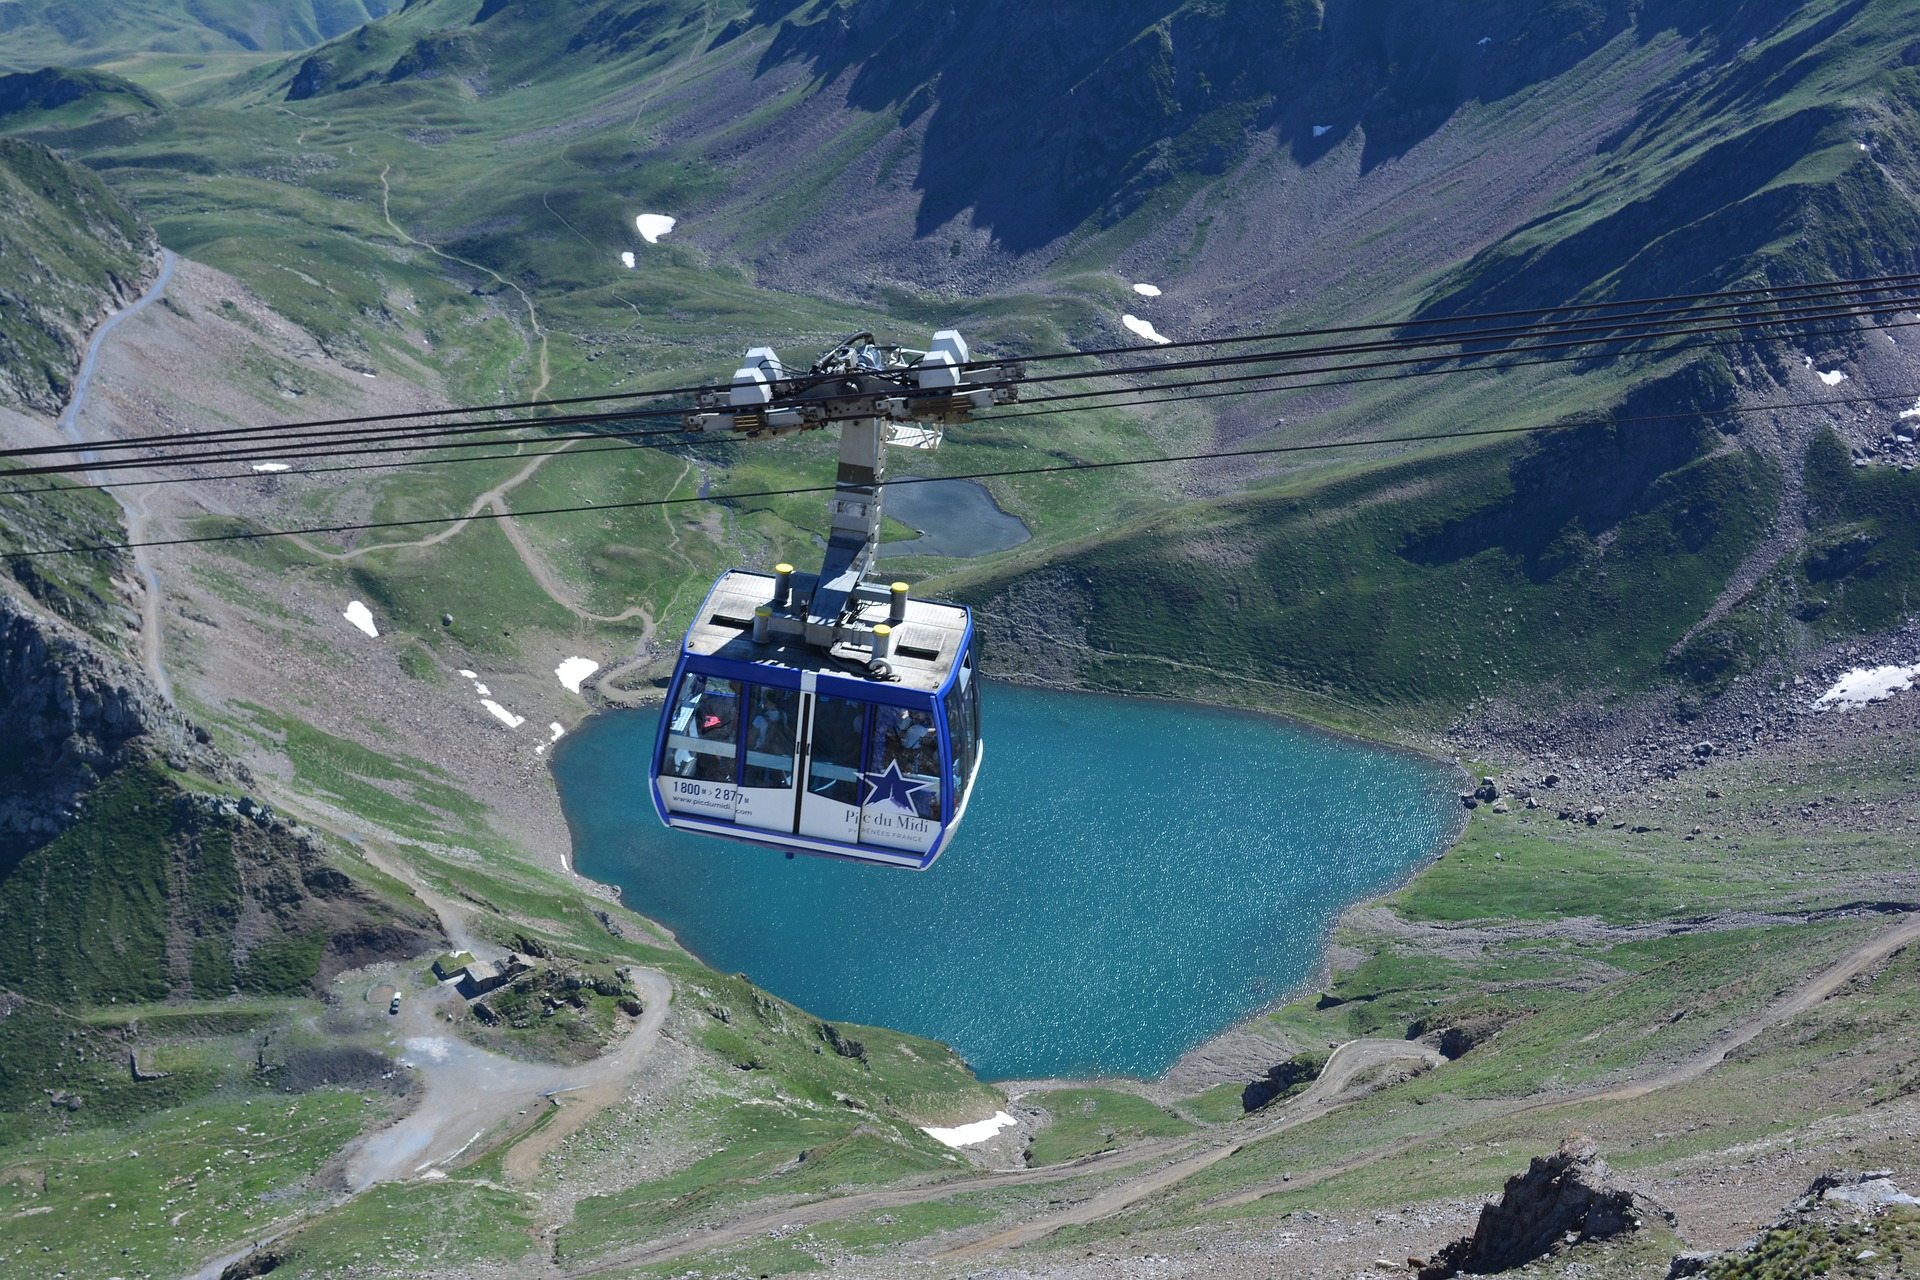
{"type": "Point", "coordinates": [1005, 473]}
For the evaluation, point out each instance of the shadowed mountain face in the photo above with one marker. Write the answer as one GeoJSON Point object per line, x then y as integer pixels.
{"type": "Point", "coordinates": [1547, 150]}
{"type": "Point", "coordinates": [1042, 117]}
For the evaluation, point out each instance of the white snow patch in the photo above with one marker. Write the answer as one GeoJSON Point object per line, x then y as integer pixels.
{"type": "Point", "coordinates": [556, 729]}
{"type": "Point", "coordinates": [1321, 130]}
{"type": "Point", "coordinates": [1867, 684]}
{"type": "Point", "coordinates": [471, 675]}
{"type": "Point", "coordinates": [653, 225]}
{"type": "Point", "coordinates": [503, 715]}
{"type": "Point", "coordinates": [1833, 378]}
{"type": "Point", "coordinates": [269, 466]}
{"type": "Point", "coordinates": [433, 1047]}
{"type": "Point", "coordinates": [482, 690]}
{"type": "Point", "coordinates": [1147, 290]}
{"type": "Point", "coordinates": [361, 616]}
{"type": "Point", "coordinates": [540, 750]}
{"type": "Point", "coordinates": [1913, 412]}
{"type": "Point", "coordinates": [574, 670]}
{"type": "Point", "coordinates": [1863, 146]}
{"type": "Point", "coordinates": [366, 375]}
{"type": "Point", "coordinates": [966, 1135]}
{"type": "Point", "coordinates": [1144, 328]}
{"type": "Point", "coordinates": [626, 259]}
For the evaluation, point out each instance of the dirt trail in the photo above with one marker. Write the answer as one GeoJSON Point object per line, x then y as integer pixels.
{"type": "Point", "coordinates": [134, 508]}
{"type": "Point", "coordinates": [1800, 999]}
{"type": "Point", "coordinates": [1348, 1061]}
{"type": "Point", "coordinates": [807, 1215]}
{"type": "Point", "coordinates": [1809, 993]}
{"type": "Point", "coordinates": [533, 312]}
{"type": "Point", "coordinates": [551, 585]}
{"type": "Point", "coordinates": [453, 915]}
{"type": "Point", "coordinates": [496, 500]}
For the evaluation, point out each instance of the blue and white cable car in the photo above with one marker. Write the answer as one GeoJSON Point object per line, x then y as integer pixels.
{"type": "Point", "coordinates": [820, 713]}
{"type": "Point", "coordinates": [789, 746]}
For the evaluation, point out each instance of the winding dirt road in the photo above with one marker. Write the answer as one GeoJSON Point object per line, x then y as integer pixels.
{"type": "Point", "coordinates": [467, 1092]}
{"type": "Point", "coordinates": [1323, 1098]}
{"type": "Point", "coordinates": [133, 509]}
{"type": "Point", "coordinates": [1347, 1061]}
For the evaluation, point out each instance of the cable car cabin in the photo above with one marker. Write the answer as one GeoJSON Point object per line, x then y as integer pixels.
{"type": "Point", "coordinates": [799, 748]}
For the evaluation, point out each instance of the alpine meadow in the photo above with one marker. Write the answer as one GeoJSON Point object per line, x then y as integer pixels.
{"type": "Point", "coordinates": [1404, 651]}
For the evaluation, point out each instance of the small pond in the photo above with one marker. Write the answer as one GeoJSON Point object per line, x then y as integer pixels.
{"type": "Point", "coordinates": [957, 518]}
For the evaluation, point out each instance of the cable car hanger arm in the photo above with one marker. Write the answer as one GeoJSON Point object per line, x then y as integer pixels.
{"type": "Point", "coordinates": [877, 395]}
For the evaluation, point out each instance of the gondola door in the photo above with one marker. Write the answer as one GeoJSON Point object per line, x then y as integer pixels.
{"type": "Point", "coordinates": [836, 739]}
{"type": "Point", "coordinates": [769, 773]}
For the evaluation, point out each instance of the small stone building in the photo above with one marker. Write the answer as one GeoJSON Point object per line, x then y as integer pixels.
{"type": "Point", "coordinates": [483, 976]}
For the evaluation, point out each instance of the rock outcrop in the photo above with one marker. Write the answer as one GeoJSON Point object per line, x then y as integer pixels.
{"type": "Point", "coordinates": [1569, 1196]}
{"type": "Point", "coordinates": [71, 713]}
{"type": "Point", "coordinates": [1300, 1069]}
{"type": "Point", "coordinates": [128, 870]}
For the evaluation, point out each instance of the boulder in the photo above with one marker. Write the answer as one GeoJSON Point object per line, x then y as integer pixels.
{"type": "Point", "coordinates": [1568, 1196]}
{"type": "Point", "coordinates": [1689, 1264]}
{"type": "Point", "coordinates": [1300, 1069]}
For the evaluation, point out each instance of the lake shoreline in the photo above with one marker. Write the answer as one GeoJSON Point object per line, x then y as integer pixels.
{"type": "Point", "coordinates": [1238, 1049]}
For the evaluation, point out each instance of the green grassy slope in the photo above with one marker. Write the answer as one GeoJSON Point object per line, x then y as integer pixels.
{"type": "Point", "coordinates": [72, 249]}
{"type": "Point", "coordinates": [1567, 561]}
{"type": "Point", "coordinates": [453, 185]}
{"type": "Point", "coordinates": [132, 870]}
{"type": "Point", "coordinates": [68, 96]}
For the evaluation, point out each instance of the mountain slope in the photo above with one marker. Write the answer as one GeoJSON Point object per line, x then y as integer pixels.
{"type": "Point", "coordinates": [34, 33]}
{"type": "Point", "coordinates": [70, 252]}
{"type": "Point", "coordinates": [1009, 168]}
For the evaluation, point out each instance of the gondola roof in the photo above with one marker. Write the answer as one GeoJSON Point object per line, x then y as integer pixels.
{"type": "Point", "coordinates": [925, 646]}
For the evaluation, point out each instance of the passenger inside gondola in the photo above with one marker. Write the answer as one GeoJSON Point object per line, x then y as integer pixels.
{"type": "Point", "coordinates": [704, 722]}
{"type": "Point", "coordinates": [770, 738]}
{"type": "Point", "coordinates": [912, 742]}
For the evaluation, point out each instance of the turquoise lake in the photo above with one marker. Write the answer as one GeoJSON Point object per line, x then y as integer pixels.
{"type": "Point", "coordinates": [1131, 877]}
